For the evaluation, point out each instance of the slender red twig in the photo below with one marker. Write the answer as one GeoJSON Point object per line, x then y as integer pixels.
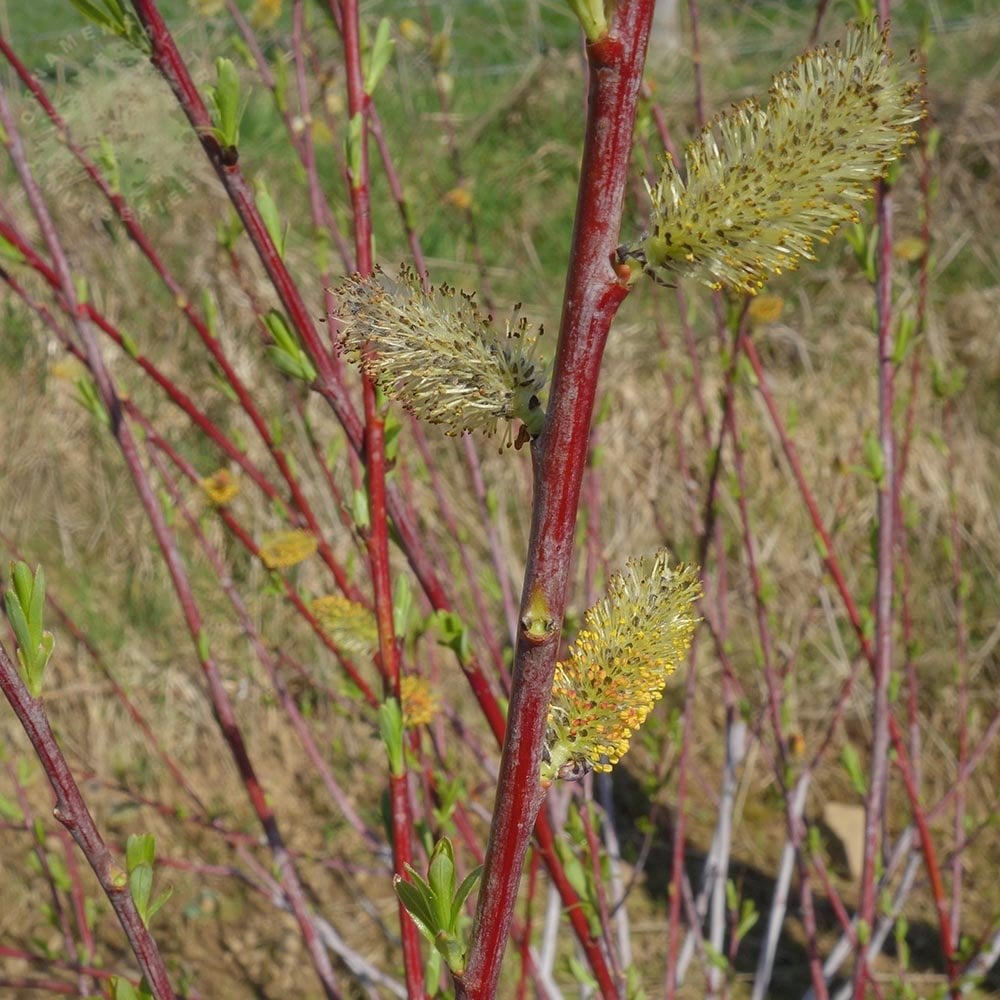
{"type": "Point", "coordinates": [72, 812]}
{"type": "Point", "coordinates": [377, 531]}
{"type": "Point", "coordinates": [128, 447]}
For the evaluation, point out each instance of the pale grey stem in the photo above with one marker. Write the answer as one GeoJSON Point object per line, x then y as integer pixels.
{"type": "Point", "coordinates": [982, 964]}
{"type": "Point", "coordinates": [545, 986]}
{"type": "Point", "coordinates": [617, 883]}
{"type": "Point", "coordinates": [779, 906]}
{"type": "Point", "coordinates": [550, 932]}
{"type": "Point", "coordinates": [844, 947]}
{"type": "Point", "coordinates": [735, 752]}
{"type": "Point", "coordinates": [886, 922]}
{"type": "Point", "coordinates": [716, 870]}
{"type": "Point", "coordinates": [363, 972]}
{"type": "Point", "coordinates": [559, 806]}
{"type": "Point", "coordinates": [694, 935]}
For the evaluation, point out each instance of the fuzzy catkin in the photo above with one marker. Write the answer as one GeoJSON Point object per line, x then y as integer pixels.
{"type": "Point", "coordinates": [438, 354]}
{"type": "Point", "coordinates": [765, 184]}
{"type": "Point", "coordinates": [630, 643]}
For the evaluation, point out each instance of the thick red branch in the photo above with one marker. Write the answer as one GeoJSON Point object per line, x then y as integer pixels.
{"type": "Point", "coordinates": [592, 297]}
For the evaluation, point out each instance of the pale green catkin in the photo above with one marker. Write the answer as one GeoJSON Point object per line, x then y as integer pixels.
{"type": "Point", "coordinates": [763, 185]}
{"type": "Point", "coordinates": [438, 354]}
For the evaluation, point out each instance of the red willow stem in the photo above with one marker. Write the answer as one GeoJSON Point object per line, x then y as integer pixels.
{"type": "Point", "coordinates": [167, 59]}
{"type": "Point", "coordinates": [875, 802]}
{"type": "Point", "coordinates": [962, 672]}
{"type": "Point", "coordinates": [592, 296]}
{"type": "Point", "coordinates": [243, 537]}
{"type": "Point", "coordinates": [832, 564]}
{"type": "Point", "coordinates": [264, 656]}
{"type": "Point", "coordinates": [211, 342]}
{"type": "Point", "coordinates": [377, 533]}
{"type": "Point", "coordinates": [122, 433]}
{"type": "Point", "coordinates": [72, 812]}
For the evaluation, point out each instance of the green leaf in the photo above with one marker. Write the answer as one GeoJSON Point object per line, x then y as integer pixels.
{"type": "Point", "coordinates": [441, 878]}
{"type": "Point", "coordinates": [140, 849]}
{"type": "Point", "coordinates": [227, 100]}
{"type": "Point", "coordinates": [732, 898]}
{"type": "Point", "coordinates": [18, 621]}
{"type": "Point", "coordinates": [590, 14]}
{"type": "Point", "coordinates": [390, 724]}
{"type": "Point", "coordinates": [94, 14]}
{"type": "Point", "coordinates": [122, 989]}
{"type": "Point", "coordinates": [359, 510]}
{"type": "Point", "coordinates": [227, 103]}
{"type": "Point", "coordinates": [393, 428]}
{"type": "Point", "coordinates": [415, 896]}
{"type": "Point", "coordinates": [402, 605]}
{"type": "Point", "coordinates": [379, 56]}
{"type": "Point", "coordinates": [36, 605]}
{"type": "Point", "coordinates": [88, 397]}
{"type": "Point", "coordinates": [452, 950]}
{"type": "Point", "coordinates": [436, 906]}
{"type": "Point", "coordinates": [452, 633]}
{"type": "Point", "coordinates": [634, 989]}
{"type": "Point", "coordinates": [10, 252]}
{"type": "Point", "coordinates": [286, 352]}
{"type": "Point", "coordinates": [108, 161]}
{"type": "Point", "coordinates": [115, 20]}
{"type": "Point", "coordinates": [815, 840]}
{"type": "Point", "coordinates": [904, 338]}
{"type": "Point", "coordinates": [25, 604]}
{"type": "Point", "coordinates": [140, 884]}
{"type": "Point", "coordinates": [269, 213]}
{"type": "Point", "coordinates": [947, 385]}
{"type": "Point", "coordinates": [229, 232]}
{"type": "Point", "coordinates": [158, 904]}
{"type": "Point", "coordinates": [468, 884]}
{"type": "Point", "coordinates": [715, 958]}
{"type": "Point", "coordinates": [852, 764]}
{"type": "Point", "coordinates": [748, 917]}
{"type": "Point", "coordinates": [280, 90]}
{"type": "Point", "coordinates": [874, 458]}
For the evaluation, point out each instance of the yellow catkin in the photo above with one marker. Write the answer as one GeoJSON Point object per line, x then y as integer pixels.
{"type": "Point", "coordinates": [618, 666]}
{"type": "Point", "coordinates": [286, 548]}
{"type": "Point", "coordinates": [221, 487]}
{"type": "Point", "coordinates": [420, 704]}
